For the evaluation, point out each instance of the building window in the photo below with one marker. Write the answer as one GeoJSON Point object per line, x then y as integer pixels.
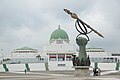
{"type": "Point", "coordinates": [115, 54]}
{"type": "Point", "coordinates": [68, 57]}
{"type": "Point", "coordinates": [59, 42]}
{"type": "Point", "coordinates": [52, 57]}
{"type": "Point", "coordinates": [61, 57]}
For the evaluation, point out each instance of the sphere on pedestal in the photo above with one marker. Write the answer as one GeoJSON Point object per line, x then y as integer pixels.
{"type": "Point", "coordinates": [81, 41]}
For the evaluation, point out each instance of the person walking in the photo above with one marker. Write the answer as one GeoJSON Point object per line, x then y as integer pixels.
{"type": "Point", "coordinates": [25, 71]}
{"type": "Point", "coordinates": [94, 71]}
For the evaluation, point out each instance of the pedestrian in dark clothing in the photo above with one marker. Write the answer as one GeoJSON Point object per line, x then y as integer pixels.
{"type": "Point", "coordinates": [25, 71]}
{"type": "Point", "coordinates": [94, 71]}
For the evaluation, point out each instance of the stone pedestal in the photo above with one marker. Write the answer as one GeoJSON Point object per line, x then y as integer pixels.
{"type": "Point", "coordinates": [81, 71]}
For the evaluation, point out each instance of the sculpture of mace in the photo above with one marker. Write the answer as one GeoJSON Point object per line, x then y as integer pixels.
{"type": "Point", "coordinates": [82, 25]}
{"type": "Point", "coordinates": [82, 28]}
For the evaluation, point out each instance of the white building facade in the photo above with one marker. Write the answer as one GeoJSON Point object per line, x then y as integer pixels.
{"type": "Point", "coordinates": [57, 55]}
{"type": "Point", "coordinates": [24, 52]}
{"type": "Point", "coordinates": [59, 51]}
{"type": "Point", "coordinates": [101, 56]}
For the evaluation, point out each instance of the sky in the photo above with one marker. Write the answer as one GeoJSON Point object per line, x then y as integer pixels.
{"type": "Point", "coordinates": [31, 22]}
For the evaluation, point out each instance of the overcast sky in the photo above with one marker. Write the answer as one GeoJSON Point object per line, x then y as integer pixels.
{"type": "Point", "coordinates": [31, 22]}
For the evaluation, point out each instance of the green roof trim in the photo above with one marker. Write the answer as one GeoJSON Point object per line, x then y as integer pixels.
{"type": "Point", "coordinates": [25, 48]}
{"type": "Point", "coordinates": [59, 33]}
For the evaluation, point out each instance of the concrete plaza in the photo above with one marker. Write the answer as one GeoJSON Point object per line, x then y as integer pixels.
{"type": "Point", "coordinates": [57, 75]}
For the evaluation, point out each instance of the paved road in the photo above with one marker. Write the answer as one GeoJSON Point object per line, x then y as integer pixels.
{"type": "Point", "coordinates": [56, 75]}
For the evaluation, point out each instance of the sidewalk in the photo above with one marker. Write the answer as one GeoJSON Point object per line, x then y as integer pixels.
{"type": "Point", "coordinates": [55, 76]}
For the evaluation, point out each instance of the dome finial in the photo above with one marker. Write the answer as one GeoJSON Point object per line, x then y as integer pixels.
{"type": "Point", "coordinates": [59, 27]}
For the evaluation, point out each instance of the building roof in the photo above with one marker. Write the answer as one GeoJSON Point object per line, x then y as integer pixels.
{"type": "Point", "coordinates": [95, 50]}
{"type": "Point", "coordinates": [59, 34]}
{"type": "Point", "coordinates": [25, 48]}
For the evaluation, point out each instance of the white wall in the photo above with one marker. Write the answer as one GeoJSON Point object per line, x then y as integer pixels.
{"type": "Point", "coordinates": [15, 67]}
{"type": "Point", "coordinates": [37, 66]}
{"type": "Point", "coordinates": [59, 48]}
{"type": "Point", "coordinates": [107, 66]}
{"type": "Point", "coordinates": [21, 67]}
{"type": "Point", "coordinates": [53, 65]}
{"type": "Point", "coordinates": [104, 66]}
{"type": "Point", "coordinates": [1, 68]}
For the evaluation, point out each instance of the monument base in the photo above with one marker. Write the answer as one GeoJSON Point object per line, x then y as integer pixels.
{"type": "Point", "coordinates": [81, 71]}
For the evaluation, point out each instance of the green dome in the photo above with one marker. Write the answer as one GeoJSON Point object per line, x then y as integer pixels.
{"type": "Point", "coordinates": [59, 33]}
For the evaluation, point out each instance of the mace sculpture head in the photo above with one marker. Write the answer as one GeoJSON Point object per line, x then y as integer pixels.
{"type": "Point", "coordinates": [81, 26]}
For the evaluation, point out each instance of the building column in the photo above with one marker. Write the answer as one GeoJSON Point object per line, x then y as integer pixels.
{"type": "Point", "coordinates": [117, 66]}
{"type": "Point", "coordinates": [27, 66]}
{"type": "Point", "coordinates": [5, 67]}
{"type": "Point", "coordinates": [56, 57]}
{"type": "Point", "coordinates": [46, 66]}
{"type": "Point", "coordinates": [95, 65]}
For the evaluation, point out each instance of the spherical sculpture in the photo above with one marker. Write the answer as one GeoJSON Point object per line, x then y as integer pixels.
{"type": "Point", "coordinates": [81, 41]}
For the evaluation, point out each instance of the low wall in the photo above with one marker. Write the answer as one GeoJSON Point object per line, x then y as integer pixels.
{"type": "Point", "coordinates": [16, 67]}
{"type": "Point", "coordinates": [1, 68]}
{"type": "Point", "coordinates": [22, 67]}
{"type": "Point", "coordinates": [61, 65]}
{"type": "Point", "coordinates": [53, 66]}
{"type": "Point", "coordinates": [107, 66]}
{"type": "Point", "coordinates": [37, 67]}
